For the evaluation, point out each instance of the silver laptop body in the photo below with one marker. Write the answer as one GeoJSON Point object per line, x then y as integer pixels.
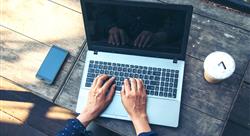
{"type": "Point", "coordinates": [162, 67]}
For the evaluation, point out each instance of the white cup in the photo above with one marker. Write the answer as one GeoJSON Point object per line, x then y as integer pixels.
{"type": "Point", "coordinates": [218, 66]}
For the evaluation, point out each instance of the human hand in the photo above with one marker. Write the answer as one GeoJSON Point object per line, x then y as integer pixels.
{"type": "Point", "coordinates": [143, 39]}
{"type": "Point", "coordinates": [117, 36]}
{"type": "Point", "coordinates": [134, 100]}
{"type": "Point", "coordinates": [98, 99]}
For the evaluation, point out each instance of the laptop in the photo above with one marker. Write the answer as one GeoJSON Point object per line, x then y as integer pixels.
{"type": "Point", "coordinates": [141, 40]}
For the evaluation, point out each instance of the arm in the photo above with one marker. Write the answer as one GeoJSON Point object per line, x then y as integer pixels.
{"type": "Point", "coordinates": [96, 103]}
{"type": "Point", "coordinates": [134, 100]}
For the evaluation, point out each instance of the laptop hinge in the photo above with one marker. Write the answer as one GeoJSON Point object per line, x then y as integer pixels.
{"type": "Point", "coordinates": [95, 52]}
{"type": "Point", "coordinates": [175, 60]}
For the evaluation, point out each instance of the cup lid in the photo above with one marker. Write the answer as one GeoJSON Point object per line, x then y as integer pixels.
{"type": "Point", "coordinates": [219, 65]}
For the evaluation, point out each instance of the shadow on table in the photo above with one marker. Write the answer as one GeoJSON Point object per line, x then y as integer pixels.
{"type": "Point", "coordinates": [23, 113]}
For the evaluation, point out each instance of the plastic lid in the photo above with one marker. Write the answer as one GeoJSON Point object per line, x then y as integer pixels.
{"type": "Point", "coordinates": [219, 65]}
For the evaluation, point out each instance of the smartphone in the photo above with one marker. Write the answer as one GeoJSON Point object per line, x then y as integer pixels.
{"type": "Point", "coordinates": [52, 64]}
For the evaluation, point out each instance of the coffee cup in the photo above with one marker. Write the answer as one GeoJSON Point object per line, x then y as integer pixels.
{"type": "Point", "coordinates": [218, 66]}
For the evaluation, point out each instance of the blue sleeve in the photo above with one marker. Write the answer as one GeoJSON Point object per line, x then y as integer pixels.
{"type": "Point", "coordinates": [73, 128]}
{"type": "Point", "coordinates": [151, 133]}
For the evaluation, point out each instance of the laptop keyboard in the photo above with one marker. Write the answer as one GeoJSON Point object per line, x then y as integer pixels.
{"type": "Point", "coordinates": [157, 81]}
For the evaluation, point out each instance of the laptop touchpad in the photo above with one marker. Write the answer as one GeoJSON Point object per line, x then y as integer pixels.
{"type": "Point", "coordinates": [115, 107]}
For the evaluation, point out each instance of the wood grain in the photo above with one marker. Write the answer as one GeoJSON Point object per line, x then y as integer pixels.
{"type": "Point", "coordinates": [46, 22]}
{"type": "Point", "coordinates": [34, 111]}
{"type": "Point", "coordinates": [21, 58]}
{"type": "Point", "coordinates": [241, 110]}
{"type": "Point", "coordinates": [210, 10]}
{"type": "Point", "coordinates": [10, 126]}
{"type": "Point", "coordinates": [207, 36]}
{"type": "Point", "coordinates": [247, 74]}
{"type": "Point", "coordinates": [234, 129]}
{"type": "Point", "coordinates": [71, 4]}
{"type": "Point", "coordinates": [69, 94]}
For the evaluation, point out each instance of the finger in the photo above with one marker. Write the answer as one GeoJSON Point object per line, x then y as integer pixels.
{"type": "Point", "coordinates": [127, 87]}
{"type": "Point", "coordinates": [123, 91]}
{"type": "Point", "coordinates": [143, 87]}
{"type": "Point", "coordinates": [142, 40]}
{"type": "Point", "coordinates": [137, 40]}
{"type": "Point", "coordinates": [112, 39]}
{"type": "Point", "coordinates": [116, 37]}
{"type": "Point", "coordinates": [95, 81]}
{"type": "Point", "coordinates": [122, 36]}
{"type": "Point", "coordinates": [101, 80]}
{"type": "Point", "coordinates": [139, 85]}
{"type": "Point", "coordinates": [111, 93]}
{"type": "Point", "coordinates": [133, 84]}
{"type": "Point", "coordinates": [146, 41]}
{"type": "Point", "coordinates": [107, 84]}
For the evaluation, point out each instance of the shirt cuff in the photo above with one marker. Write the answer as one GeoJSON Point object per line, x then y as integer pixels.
{"type": "Point", "coordinates": [73, 128]}
{"type": "Point", "coordinates": [151, 133]}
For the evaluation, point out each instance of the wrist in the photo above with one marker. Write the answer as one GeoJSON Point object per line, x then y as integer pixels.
{"type": "Point", "coordinates": [84, 118]}
{"type": "Point", "coordinates": [140, 123]}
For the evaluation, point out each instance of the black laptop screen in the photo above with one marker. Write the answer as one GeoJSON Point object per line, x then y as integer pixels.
{"type": "Point", "coordinates": [132, 27]}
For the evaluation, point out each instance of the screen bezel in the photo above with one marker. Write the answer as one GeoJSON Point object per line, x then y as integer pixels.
{"type": "Point", "coordinates": [180, 56]}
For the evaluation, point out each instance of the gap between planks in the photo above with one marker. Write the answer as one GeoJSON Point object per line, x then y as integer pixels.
{"type": "Point", "coordinates": [70, 72]}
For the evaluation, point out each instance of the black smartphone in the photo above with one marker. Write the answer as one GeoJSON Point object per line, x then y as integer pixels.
{"type": "Point", "coordinates": [52, 64]}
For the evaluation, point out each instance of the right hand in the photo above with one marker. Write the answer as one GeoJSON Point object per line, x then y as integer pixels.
{"type": "Point", "coordinates": [134, 100]}
{"type": "Point", "coordinates": [117, 36]}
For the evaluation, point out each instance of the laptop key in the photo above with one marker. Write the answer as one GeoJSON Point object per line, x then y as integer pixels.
{"type": "Point", "coordinates": [118, 88]}
{"type": "Point", "coordinates": [150, 87]}
{"type": "Point", "coordinates": [157, 73]}
{"type": "Point", "coordinates": [157, 78]}
{"type": "Point", "coordinates": [154, 83]}
{"type": "Point", "coordinates": [87, 84]}
{"type": "Point", "coordinates": [174, 95]}
{"type": "Point", "coordinates": [91, 75]}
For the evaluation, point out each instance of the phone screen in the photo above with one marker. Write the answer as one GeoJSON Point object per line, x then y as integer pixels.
{"type": "Point", "coordinates": [52, 64]}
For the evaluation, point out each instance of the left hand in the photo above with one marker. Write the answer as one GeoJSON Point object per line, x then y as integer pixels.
{"type": "Point", "coordinates": [143, 39]}
{"type": "Point", "coordinates": [98, 99]}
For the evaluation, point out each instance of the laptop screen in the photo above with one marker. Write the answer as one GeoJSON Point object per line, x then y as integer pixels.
{"type": "Point", "coordinates": [141, 28]}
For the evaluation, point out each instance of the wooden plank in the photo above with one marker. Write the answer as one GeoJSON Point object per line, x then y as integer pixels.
{"type": "Point", "coordinates": [46, 22]}
{"type": "Point", "coordinates": [213, 99]}
{"type": "Point", "coordinates": [241, 110]}
{"type": "Point", "coordinates": [71, 4]}
{"type": "Point", "coordinates": [247, 74]}
{"type": "Point", "coordinates": [10, 126]}
{"type": "Point", "coordinates": [31, 109]}
{"type": "Point", "coordinates": [233, 129]}
{"type": "Point", "coordinates": [207, 36]}
{"type": "Point", "coordinates": [21, 58]}
{"type": "Point", "coordinates": [84, 53]}
{"type": "Point", "coordinates": [215, 12]}
{"type": "Point", "coordinates": [69, 94]}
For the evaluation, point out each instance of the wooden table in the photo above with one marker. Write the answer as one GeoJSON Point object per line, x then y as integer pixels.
{"type": "Point", "coordinates": [205, 107]}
